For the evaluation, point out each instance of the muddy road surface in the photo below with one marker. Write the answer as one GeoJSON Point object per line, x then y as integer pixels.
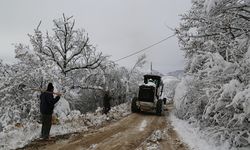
{"type": "Point", "coordinates": [133, 132]}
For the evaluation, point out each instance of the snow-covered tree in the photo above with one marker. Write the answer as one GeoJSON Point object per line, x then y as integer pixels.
{"type": "Point", "coordinates": [57, 58]}
{"type": "Point", "coordinates": [67, 47]}
{"type": "Point", "coordinates": [134, 77]}
{"type": "Point", "coordinates": [215, 37]}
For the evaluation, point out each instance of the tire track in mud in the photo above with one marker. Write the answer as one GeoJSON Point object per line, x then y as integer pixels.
{"type": "Point", "coordinates": [135, 134]}
{"type": "Point", "coordinates": [128, 133]}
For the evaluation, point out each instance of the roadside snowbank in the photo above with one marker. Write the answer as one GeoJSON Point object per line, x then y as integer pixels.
{"type": "Point", "coordinates": [17, 136]}
{"type": "Point", "coordinates": [194, 137]}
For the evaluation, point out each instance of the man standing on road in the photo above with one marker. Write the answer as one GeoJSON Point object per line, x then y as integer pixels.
{"type": "Point", "coordinates": [47, 102]}
{"type": "Point", "coordinates": [106, 102]}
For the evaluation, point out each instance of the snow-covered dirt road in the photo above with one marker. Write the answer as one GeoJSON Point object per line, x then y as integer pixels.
{"type": "Point", "coordinates": [137, 131]}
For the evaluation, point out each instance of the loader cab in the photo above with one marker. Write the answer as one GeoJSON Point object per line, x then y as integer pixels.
{"type": "Point", "coordinates": [157, 81]}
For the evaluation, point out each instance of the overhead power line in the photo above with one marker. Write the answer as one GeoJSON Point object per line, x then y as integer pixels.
{"type": "Point", "coordinates": [144, 49]}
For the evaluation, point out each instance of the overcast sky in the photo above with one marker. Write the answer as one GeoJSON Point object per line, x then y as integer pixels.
{"type": "Point", "coordinates": [117, 27]}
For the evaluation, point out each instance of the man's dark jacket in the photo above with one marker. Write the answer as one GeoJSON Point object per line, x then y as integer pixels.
{"type": "Point", "coordinates": [106, 101]}
{"type": "Point", "coordinates": [47, 102]}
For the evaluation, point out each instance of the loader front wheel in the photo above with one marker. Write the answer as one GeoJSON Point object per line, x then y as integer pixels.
{"type": "Point", "coordinates": [159, 107]}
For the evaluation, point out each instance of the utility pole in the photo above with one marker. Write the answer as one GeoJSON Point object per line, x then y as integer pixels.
{"type": "Point", "coordinates": [151, 67]}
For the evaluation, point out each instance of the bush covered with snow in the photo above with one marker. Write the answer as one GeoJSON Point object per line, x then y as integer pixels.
{"type": "Point", "coordinates": [215, 92]}
{"type": "Point", "coordinates": [62, 108]}
{"type": "Point", "coordinates": [170, 83]}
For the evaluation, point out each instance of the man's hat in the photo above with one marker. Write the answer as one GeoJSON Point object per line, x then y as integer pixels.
{"type": "Point", "coordinates": [50, 87]}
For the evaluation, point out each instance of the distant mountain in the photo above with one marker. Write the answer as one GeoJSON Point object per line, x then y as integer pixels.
{"type": "Point", "coordinates": [154, 72]}
{"type": "Point", "coordinates": [178, 73]}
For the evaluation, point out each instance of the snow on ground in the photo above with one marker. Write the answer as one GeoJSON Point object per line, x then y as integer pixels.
{"type": "Point", "coordinates": [19, 135]}
{"type": "Point", "coordinates": [143, 125]}
{"type": "Point", "coordinates": [152, 142]}
{"type": "Point", "coordinates": [193, 136]}
{"type": "Point", "coordinates": [13, 137]}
